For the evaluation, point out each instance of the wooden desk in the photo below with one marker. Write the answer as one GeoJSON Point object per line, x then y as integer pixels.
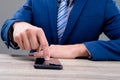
{"type": "Point", "coordinates": [17, 67]}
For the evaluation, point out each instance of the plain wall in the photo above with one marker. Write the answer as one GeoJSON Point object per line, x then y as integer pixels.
{"type": "Point", "coordinates": [7, 9]}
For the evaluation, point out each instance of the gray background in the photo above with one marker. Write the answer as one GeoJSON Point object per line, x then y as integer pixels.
{"type": "Point", "coordinates": [7, 9]}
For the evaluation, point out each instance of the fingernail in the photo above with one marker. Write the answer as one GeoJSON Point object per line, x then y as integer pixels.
{"type": "Point", "coordinates": [47, 58]}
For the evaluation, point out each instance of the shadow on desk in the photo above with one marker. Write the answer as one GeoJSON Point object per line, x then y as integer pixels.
{"type": "Point", "coordinates": [22, 57]}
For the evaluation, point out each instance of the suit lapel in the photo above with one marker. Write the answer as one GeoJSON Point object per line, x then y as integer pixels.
{"type": "Point", "coordinates": [52, 11]}
{"type": "Point", "coordinates": [74, 15]}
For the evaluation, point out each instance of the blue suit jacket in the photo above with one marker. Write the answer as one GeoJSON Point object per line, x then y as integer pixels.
{"type": "Point", "coordinates": [87, 20]}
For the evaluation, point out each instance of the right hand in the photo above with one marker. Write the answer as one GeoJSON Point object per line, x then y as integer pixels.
{"type": "Point", "coordinates": [30, 37]}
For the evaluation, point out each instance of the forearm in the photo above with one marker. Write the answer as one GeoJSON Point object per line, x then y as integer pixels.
{"type": "Point", "coordinates": [68, 51]}
{"type": "Point", "coordinates": [80, 50]}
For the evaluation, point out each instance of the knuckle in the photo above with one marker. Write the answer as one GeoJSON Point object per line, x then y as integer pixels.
{"type": "Point", "coordinates": [31, 32]}
{"type": "Point", "coordinates": [16, 37]}
{"type": "Point", "coordinates": [34, 46]}
{"type": "Point", "coordinates": [23, 35]}
{"type": "Point", "coordinates": [40, 30]}
{"type": "Point", "coordinates": [27, 47]}
{"type": "Point", "coordinates": [44, 46]}
{"type": "Point", "coordinates": [28, 31]}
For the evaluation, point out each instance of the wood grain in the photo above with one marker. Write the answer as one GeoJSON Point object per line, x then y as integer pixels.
{"type": "Point", "coordinates": [20, 67]}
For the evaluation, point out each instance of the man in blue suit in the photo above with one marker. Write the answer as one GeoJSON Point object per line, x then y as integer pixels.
{"type": "Point", "coordinates": [34, 27]}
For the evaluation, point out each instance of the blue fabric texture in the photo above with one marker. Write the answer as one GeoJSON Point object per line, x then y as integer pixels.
{"type": "Point", "coordinates": [87, 20]}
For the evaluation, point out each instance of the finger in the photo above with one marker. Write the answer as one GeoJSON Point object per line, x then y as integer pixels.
{"type": "Point", "coordinates": [44, 44]}
{"type": "Point", "coordinates": [32, 39]}
{"type": "Point", "coordinates": [37, 51]}
{"type": "Point", "coordinates": [38, 54]}
{"type": "Point", "coordinates": [26, 42]}
{"type": "Point", "coordinates": [30, 54]}
{"type": "Point", "coordinates": [18, 40]}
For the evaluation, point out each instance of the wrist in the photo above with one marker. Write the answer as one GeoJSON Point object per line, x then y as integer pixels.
{"type": "Point", "coordinates": [81, 51]}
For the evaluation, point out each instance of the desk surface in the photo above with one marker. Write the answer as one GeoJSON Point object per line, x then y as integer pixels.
{"type": "Point", "coordinates": [20, 67]}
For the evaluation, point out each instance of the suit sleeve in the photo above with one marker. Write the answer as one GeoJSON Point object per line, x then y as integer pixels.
{"type": "Point", "coordinates": [108, 50]}
{"type": "Point", "coordinates": [23, 14]}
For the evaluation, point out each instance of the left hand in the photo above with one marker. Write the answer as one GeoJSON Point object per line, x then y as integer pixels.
{"type": "Point", "coordinates": [65, 51]}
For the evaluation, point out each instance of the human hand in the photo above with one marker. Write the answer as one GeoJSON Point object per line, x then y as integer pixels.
{"type": "Point", "coordinates": [30, 37]}
{"type": "Point", "coordinates": [66, 51]}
